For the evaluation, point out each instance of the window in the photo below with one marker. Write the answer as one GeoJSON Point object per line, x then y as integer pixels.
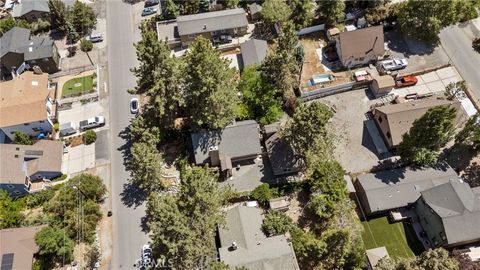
{"type": "Point", "coordinates": [10, 186]}
{"type": "Point", "coordinates": [389, 135]}
{"type": "Point", "coordinates": [36, 129]}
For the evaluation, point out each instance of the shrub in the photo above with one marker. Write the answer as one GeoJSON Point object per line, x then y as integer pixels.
{"type": "Point", "coordinates": [56, 126]}
{"type": "Point", "coordinates": [40, 198]}
{"type": "Point", "coordinates": [86, 45]}
{"type": "Point", "coordinates": [89, 137]}
{"type": "Point", "coordinates": [22, 138]}
{"type": "Point", "coordinates": [60, 178]}
{"type": "Point", "coordinates": [264, 193]}
{"type": "Point", "coordinates": [277, 222]}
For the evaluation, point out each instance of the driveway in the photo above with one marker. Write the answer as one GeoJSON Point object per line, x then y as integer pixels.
{"type": "Point", "coordinates": [80, 112]}
{"type": "Point", "coordinates": [78, 159]}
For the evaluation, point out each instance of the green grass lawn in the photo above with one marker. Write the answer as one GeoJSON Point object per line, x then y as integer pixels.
{"type": "Point", "coordinates": [399, 238]}
{"type": "Point", "coordinates": [76, 86]}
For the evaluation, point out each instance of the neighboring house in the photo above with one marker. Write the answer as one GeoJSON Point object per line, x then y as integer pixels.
{"type": "Point", "coordinates": [253, 52]}
{"type": "Point", "coordinates": [212, 24]}
{"type": "Point", "coordinates": [391, 189]}
{"type": "Point", "coordinates": [374, 256]}
{"type": "Point", "coordinates": [255, 11]}
{"type": "Point", "coordinates": [236, 143]}
{"type": "Point", "coordinates": [360, 47]}
{"type": "Point", "coordinates": [32, 10]}
{"type": "Point", "coordinates": [394, 120]}
{"type": "Point", "coordinates": [26, 105]}
{"type": "Point", "coordinates": [24, 168]}
{"type": "Point", "coordinates": [450, 214]}
{"type": "Point", "coordinates": [19, 47]}
{"type": "Point", "coordinates": [382, 85]}
{"type": "Point", "coordinates": [244, 244]}
{"type": "Point", "coordinates": [18, 247]}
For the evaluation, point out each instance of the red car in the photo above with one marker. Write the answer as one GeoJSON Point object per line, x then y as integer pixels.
{"type": "Point", "coordinates": [406, 81]}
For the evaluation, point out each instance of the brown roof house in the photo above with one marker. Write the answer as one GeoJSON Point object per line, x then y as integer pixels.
{"type": "Point", "coordinates": [18, 247]}
{"type": "Point", "coordinates": [360, 47]}
{"type": "Point", "coordinates": [394, 120]}
{"type": "Point", "coordinates": [26, 105]}
{"type": "Point", "coordinates": [28, 168]}
{"type": "Point", "coordinates": [382, 85]}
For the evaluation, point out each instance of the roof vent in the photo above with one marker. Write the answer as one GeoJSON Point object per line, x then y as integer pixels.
{"type": "Point", "coordinates": [34, 83]}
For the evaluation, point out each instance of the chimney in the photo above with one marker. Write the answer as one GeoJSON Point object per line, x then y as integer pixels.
{"type": "Point", "coordinates": [214, 155]}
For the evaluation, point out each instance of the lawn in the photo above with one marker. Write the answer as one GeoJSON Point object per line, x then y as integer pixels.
{"type": "Point", "coordinates": [77, 86]}
{"type": "Point", "coordinates": [399, 238]}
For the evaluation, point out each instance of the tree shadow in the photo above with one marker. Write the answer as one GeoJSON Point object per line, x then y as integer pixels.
{"type": "Point", "coordinates": [471, 175]}
{"type": "Point", "coordinates": [133, 196]}
{"type": "Point", "coordinates": [458, 156]}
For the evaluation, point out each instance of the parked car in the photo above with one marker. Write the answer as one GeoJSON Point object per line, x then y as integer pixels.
{"type": "Point", "coordinates": [222, 39]}
{"type": "Point", "coordinates": [134, 105]}
{"type": "Point", "coordinates": [150, 3]}
{"type": "Point", "coordinates": [394, 64]}
{"type": "Point", "coordinates": [66, 129]}
{"type": "Point", "coordinates": [96, 38]}
{"type": "Point", "coordinates": [406, 81]}
{"type": "Point", "coordinates": [149, 11]}
{"type": "Point", "coordinates": [146, 255]}
{"type": "Point", "coordinates": [92, 122]}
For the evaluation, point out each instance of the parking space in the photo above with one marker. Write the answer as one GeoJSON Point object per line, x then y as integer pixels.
{"type": "Point", "coordinates": [78, 159]}
{"type": "Point", "coordinates": [420, 55]}
{"type": "Point", "coordinates": [80, 112]}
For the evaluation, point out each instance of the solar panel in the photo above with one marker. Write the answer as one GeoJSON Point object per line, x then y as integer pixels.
{"type": "Point", "coordinates": [7, 261]}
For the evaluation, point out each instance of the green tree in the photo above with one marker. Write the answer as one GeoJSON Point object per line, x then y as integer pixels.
{"type": "Point", "coordinates": [307, 127]}
{"type": "Point", "coordinates": [476, 44]}
{"type": "Point", "coordinates": [22, 138]}
{"type": "Point", "coordinates": [427, 134]}
{"type": "Point", "coordinates": [72, 35]}
{"type": "Point", "coordinates": [146, 166]}
{"type": "Point", "coordinates": [274, 11]}
{"type": "Point", "coordinates": [308, 248]}
{"type": "Point", "coordinates": [204, 5]}
{"type": "Point", "coordinates": [276, 223]}
{"type": "Point", "coordinates": [263, 193]}
{"type": "Point", "coordinates": [466, 10]}
{"type": "Point", "coordinates": [436, 259]}
{"type": "Point", "coordinates": [82, 18]}
{"type": "Point", "coordinates": [91, 185]}
{"type": "Point", "coordinates": [6, 24]}
{"type": "Point", "coordinates": [259, 96]}
{"type": "Point", "coordinates": [58, 13]}
{"type": "Point", "coordinates": [10, 211]}
{"type": "Point", "coordinates": [86, 45]}
{"type": "Point", "coordinates": [89, 137]}
{"type": "Point", "coordinates": [210, 87]}
{"type": "Point", "coordinates": [229, 4]}
{"type": "Point", "coordinates": [454, 89]}
{"type": "Point", "coordinates": [183, 225]}
{"type": "Point", "coordinates": [302, 12]}
{"type": "Point", "coordinates": [54, 244]}
{"type": "Point", "coordinates": [143, 131]}
{"type": "Point", "coordinates": [171, 10]}
{"type": "Point", "coordinates": [338, 244]}
{"type": "Point", "coordinates": [332, 11]}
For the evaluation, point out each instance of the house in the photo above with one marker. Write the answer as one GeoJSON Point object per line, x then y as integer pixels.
{"type": "Point", "coordinates": [253, 52]}
{"type": "Point", "coordinates": [32, 10]}
{"type": "Point", "coordinates": [450, 214]}
{"type": "Point", "coordinates": [360, 47]}
{"type": "Point", "coordinates": [244, 244]}
{"type": "Point", "coordinates": [391, 189]}
{"type": "Point", "coordinates": [26, 105]}
{"type": "Point", "coordinates": [382, 85]}
{"type": "Point", "coordinates": [282, 158]}
{"type": "Point", "coordinates": [374, 256]}
{"type": "Point", "coordinates": [18, 247]}
{"type": "Point", "coordinates": [255, 11]}
{"type": "Point", "coordinates": [19, 47]}
{"type": "Point", "coordinates": [27, 168]}
{"type": "Point", "coordinates": [235, 144]}
{"type": "Point", "coordinates": [394, 120]}
{"type": "Point", "coordinates": [212, 24]}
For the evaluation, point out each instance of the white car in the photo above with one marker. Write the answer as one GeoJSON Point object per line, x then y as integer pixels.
{"type": "Point", "coordinates": [394, 64]}
{"type": "Point", "coordinates": [134, 105]}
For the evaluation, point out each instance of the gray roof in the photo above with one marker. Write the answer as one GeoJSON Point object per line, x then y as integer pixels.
{"type": "Point", "coordinates": [235, 141]}
{"type": "Point", "coordinates": [255, 8]}
{"type": "Point", "coordinates": [253, 51]}
{"type": "Point", "coordinates": [27, 6]}
{"type": "Point", "coordinates": [374, 255]}
{"type": "Point", "coordinates": [255, 250]}
{"type": "Point", "coordinates": [18, 40]}
{"type": "Point", "coordinates": [396, 188]}
{"type": "Point", "coordinates": [282, 158]}
{"type": "Point", "coordinates": [458, 207]}
{"type": "Point", "coordinates": [212, 21]}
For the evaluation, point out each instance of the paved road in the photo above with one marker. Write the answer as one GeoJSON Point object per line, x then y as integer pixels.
{"type": "Point", "coordinates": [457, 42]}
{"type": "Point", "coordinates": [128, 237]}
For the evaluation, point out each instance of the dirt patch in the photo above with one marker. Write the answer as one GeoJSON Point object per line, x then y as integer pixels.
{"type": "Point", "coordinates": [76, 141]}
{"type": "Point", "coordinates": [298, 212]}
{"type": "Point", "coordinates": [311, 64]}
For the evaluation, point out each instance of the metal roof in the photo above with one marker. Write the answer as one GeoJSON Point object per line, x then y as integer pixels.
{"type": "Point", "coordinates": [211, 21]}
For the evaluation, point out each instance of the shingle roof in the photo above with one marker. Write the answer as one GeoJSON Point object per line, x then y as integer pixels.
{"type": "Point", "coordinates": [255, 250]}
{"type": "Point", "coordinates": [26, 93]}
{"type": "Point", "coordinates": [253, 51]}
{"type": "Point", "coordinates": [39, 47]}
{"type": "Point", "coordinates": [384, 81]}
{"type": "Point", "coordinates": [235, 141]}
{"type": "Point", "coordinates": [20, 160]}
{"type": "Point", "coordinates": [30, 5]}
{"type": "Point", "coordinates": [362, 42]}
{"type": "Point", "coordinates": [21, 243]}
{"type": "Point", "coordinates": [396, 188]}
{"type": "Point", "coordinates": [281, 156]}
{"type": "Point", "coordinates": [401, 116]}
{"type": "Point", "coordinates": [211, 21]}
{"type": "Point", "coordinates": [18, 40]}
{"type": "Point", "coordinates": [255, 8]}
{"type": "Point", "coordinates": [458, 207]}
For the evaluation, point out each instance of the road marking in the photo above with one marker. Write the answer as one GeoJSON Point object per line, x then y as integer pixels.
{"type": "Point", "coordinates": [105, 86]}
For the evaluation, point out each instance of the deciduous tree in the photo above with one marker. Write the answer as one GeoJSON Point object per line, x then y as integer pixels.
{"type": "Point", "coordinates": [276, 223]}
{"type": "Point", "coordinates": [274, 11]}
{"type": "Point", "coordinates": [54, 244]}
{"type": "Point", "coordinates": [263, 193]}
{"type": "Point", "coordinates": [210, 87]}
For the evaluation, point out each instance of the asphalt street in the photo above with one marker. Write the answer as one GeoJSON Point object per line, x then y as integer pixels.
{"type": "Point", "coordinates": [457, 42]}
{"type": "Point", "coordinates": [127, 203]}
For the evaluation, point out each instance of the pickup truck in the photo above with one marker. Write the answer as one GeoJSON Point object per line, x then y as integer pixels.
{"type": "Point", "coordinates": [394, 64]}
{"type": "Point", "coordinates": [93, 122]}
{"type": "Point", "coordinates": [406, 81]}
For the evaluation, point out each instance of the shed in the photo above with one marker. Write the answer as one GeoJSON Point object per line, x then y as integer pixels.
{"type": "Point", "coordinates": [255, 11]}
{"type": "Point", "coordinates": [382, 85]}
{"type": "Point", "coordinates": [332, 32]}
{"type": "Point", "coordinates": [280, 203]}
{"type": "Point", "coordinates": [253, 51]}
{"type": "Point", "coordinates": [374, 255]}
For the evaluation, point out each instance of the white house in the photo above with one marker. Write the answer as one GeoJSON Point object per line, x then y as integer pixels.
{"type": "Point", "coordinates": [26, 105]}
